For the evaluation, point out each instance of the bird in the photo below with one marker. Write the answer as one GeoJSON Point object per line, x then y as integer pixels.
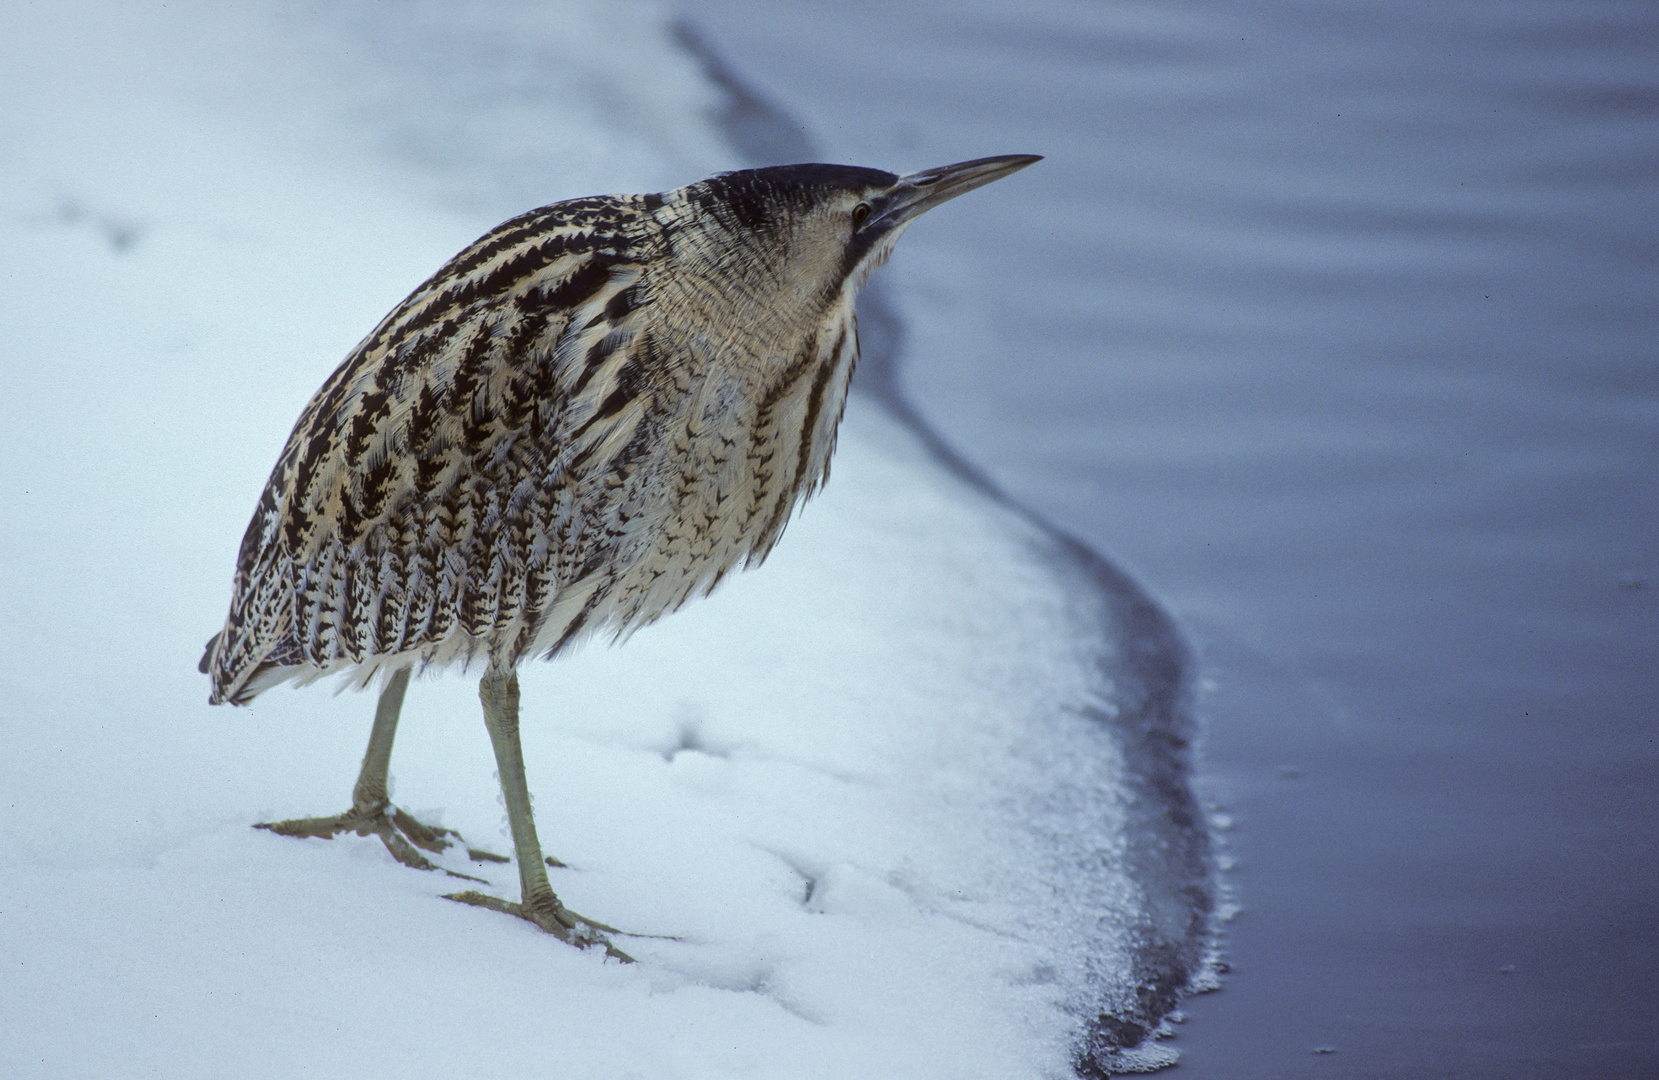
{"type": "Point", "coordinates": [586, 418]}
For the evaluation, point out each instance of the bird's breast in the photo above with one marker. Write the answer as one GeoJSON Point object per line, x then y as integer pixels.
{"type": "Point", "coordinates": [745, 442]}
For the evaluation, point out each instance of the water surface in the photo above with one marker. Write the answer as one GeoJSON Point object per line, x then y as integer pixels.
{"type": "Point", "coordinates": [1335, 324]}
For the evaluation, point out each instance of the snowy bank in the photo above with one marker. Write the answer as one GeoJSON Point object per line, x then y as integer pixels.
{"type": "Point", "coordinates": [909, 801]}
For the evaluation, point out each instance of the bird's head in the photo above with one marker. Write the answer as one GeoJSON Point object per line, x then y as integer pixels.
{"type": "Point", "coordinates": [799, 237]}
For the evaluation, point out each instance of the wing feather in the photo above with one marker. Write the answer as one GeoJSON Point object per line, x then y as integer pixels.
{"type": "Point", "coordinates": [404, 509]}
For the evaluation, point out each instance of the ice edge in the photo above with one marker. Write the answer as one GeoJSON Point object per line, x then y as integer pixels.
{"type": "Point", "coordinates": [1172, 852]}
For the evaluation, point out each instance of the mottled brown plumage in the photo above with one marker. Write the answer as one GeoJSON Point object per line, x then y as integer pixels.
{"type": "Point", "coordinates": [579, 422]}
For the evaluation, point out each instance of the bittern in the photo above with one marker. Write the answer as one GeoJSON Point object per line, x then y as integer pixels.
{"type": "Point", "coordinates": [585, 418]}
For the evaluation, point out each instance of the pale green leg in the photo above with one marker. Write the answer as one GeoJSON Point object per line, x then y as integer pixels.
{"type": "Point", "coordinates": [499, 692]}
{"type": "Point", "coordinates": [372, 812]}
{"type": "Point", "coordinates": [370, 792]}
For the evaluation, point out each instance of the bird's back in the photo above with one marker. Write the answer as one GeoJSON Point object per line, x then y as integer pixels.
{"type": "Point", "coordinates": [569, 428]}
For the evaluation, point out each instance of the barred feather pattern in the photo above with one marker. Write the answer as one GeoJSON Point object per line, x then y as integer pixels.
{"type": "Point", "coordinates": [582, 420]}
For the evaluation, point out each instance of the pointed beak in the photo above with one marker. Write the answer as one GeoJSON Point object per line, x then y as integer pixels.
{"type": "Point", "coordinates": [921, 191]}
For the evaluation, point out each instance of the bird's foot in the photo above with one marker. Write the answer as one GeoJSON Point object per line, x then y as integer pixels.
{"type": "Point", "coordinates": [398, 830]}
{"type": "Point", "coordinates": [553, 917]}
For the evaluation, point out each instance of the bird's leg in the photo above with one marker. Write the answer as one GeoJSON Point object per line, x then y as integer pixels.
{"type": "Point", "coordinates": [371, 810]}
{"type": "Point", "coordinates": [499, 692]}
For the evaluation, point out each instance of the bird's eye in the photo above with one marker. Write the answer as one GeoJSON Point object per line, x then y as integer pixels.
{"type": "Point", "coordinates": [861, 214]}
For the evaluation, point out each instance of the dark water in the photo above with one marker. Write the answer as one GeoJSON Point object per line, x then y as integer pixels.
{"type": "Point", "coordinates": [1336, 324]}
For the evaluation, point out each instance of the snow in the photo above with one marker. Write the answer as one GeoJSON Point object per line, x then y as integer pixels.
{"type": "Point", "coordinates": [865, 807]}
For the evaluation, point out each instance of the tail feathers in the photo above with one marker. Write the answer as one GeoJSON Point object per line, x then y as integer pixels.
{"type": "Point", "coordinates": [239, 685]}
{"type": "Point", "coordinates": [206, 666]}
{"type": "Point", "coordinates": [261, 679]}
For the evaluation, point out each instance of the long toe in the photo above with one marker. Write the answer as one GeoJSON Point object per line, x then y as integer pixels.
{"type": "Point", "coordinates": [359, 820]}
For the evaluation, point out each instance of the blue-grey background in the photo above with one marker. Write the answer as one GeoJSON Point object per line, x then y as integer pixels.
{"type": "Point", "coordinates": [1335, 323]}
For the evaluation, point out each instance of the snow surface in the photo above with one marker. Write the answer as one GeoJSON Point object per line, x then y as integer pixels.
{"type": "Point", "coordinates": [867, 803]}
